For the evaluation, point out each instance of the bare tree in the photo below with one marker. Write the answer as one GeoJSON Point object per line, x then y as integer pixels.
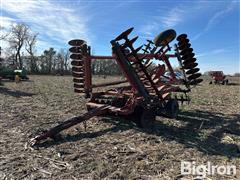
{"type": "Point", "coordinates": [65, 59]}
{"type": "Point", "coordinates": [18, 36]}
{"type": "Point", "coordinates": [105, 67]}
{"type": "Point", "coordinates": [62, 61]}
{"type": "Point", "coordinates": [42, 63]}
{"type": "Point", "coordinates": [3, 35]}
{"type": "Point", "coordinates": [49, 56]}
{"type": "Point", "coordinates": [30, 48]}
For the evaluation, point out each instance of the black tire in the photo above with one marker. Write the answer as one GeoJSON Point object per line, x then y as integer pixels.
{"type": "Point", "coordinates": [210, 82]}
{"type": "Point", "coordinates": [147, 119]}
{"type": "Point", "coordinates": [172, 108]}
{"type": "Point", "coordinates": [165, 37]}
{"type": "Point", "coordinates": [144, 118]}
{"type": "Point", "coordinates": [89, 108]}
{"type": "Point", "coordinates": [226, 82]}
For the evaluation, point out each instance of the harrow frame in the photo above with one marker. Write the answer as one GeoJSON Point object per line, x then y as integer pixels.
{"type": "Point", "coordinates": [146, 94]}
{"type": "Point", "coordinates": [153, 92]}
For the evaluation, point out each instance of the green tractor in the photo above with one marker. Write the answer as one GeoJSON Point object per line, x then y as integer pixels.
{"type": "Point", "coordinates": [8, 73]}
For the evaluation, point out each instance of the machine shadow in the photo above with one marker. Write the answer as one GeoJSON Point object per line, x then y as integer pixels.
{"type": "Point", "coordinates": [17, 94]}
{"type": "Point", "coordinates": [233, 84]}
{"type": "Point", "coordinates": [202, 130]}
{"type": "Point", "coordinates": [205, 131]}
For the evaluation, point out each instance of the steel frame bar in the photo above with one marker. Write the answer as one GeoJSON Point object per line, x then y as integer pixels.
{"type": "Point", "coordinates": [130, 75]}
{"type": "Point", "coordinates": [109, 84]}
{"type": "Point", "coordinates": [147, 56]}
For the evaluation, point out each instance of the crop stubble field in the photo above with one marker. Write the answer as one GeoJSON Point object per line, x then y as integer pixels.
{"type": "Point", "coordinates": [206, 130]}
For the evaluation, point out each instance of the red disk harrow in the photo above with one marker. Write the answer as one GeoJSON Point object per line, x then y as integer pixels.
{"type": "Point", "coordinates": [151, 87]}
{"type": "Point", "coordinates": [149, 90]}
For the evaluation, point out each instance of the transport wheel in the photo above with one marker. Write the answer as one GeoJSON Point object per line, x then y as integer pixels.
{"type": "Point", "coordinates": [172, 108]}
{"type": "Point", "coordinates": [144, 118]}
{"type": "Point", "coordinates": [89, 108]}
{"type": "Point", "coordinates": [147, 119]}
{"type": "Point", "coordinates": [210, 82]}
{"type": "Point", "coordinates": [165, 37]}
{"type": "Point", "coordinates": [226, 82]}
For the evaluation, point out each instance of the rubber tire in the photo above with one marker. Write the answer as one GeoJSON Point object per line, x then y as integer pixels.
{"type": "Point", "coordinates": [172, 108]}
{"type": "Point", "coordinates": [147, 119]}
{"type": "Point", "coordinates": [226, 82]}
{"type": "Point", "coordinates": [144, 118]}
{"type": "Point", "coordinates": [165, 37]}
{"type": "Point", "coordinates": [89, 109]}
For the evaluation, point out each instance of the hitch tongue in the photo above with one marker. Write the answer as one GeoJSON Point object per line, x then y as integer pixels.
{"type": "Point", "coordinates": [51, 133]}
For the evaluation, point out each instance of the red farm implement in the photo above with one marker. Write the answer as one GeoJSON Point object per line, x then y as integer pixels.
{"type": "Point", "coordinates": [218, 78]}
{"type": "Point", "coordinates": [146, 92]}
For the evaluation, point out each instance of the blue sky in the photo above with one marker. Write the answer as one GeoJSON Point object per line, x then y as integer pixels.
{"type": "Point", "coordinates": [212, 26]}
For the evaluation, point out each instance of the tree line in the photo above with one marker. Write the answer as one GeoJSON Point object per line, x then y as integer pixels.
{"type": "Point", "coordinates": [21, 52]}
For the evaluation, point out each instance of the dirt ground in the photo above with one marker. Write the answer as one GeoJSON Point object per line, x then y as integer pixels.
{"type": "Point", "coordinates": [112, 148]}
